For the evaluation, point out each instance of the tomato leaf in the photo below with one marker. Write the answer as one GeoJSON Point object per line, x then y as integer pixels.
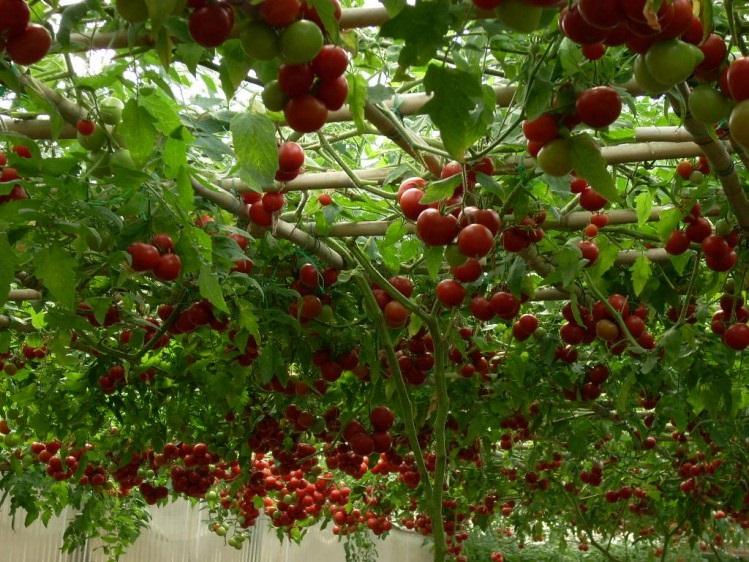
{"type": "Point", "coordinates": [423, 27]}
{"type": "Point", "coordinates": [589, 164]}
{"type": "Point", "coordinates": [357, 98]}
{"type": "Point", "coordinates": [440, 190]}
{"type": "Point", "coordinates": [434, 257]}
{"type": "Point", "coordinates": [568, 260]}
{"type": "Point", "coordinates": [211, 289]}
{"type": "Point", "coordinates": [643, 207]}
{"type": "Point", "coordinates": [640, 274]}
{"type": "Point", "coordinates": [7, 267]}
{"type": "Point", "coordinates": [235, 64]}
{"type": "Point", "coordinates": [254, 138]}
{"type": "Point", "coordinates": [56, 268]}
{"type": "Point", "coordinates": [138, 127]}
{"type": "Point", "coordinates": [326, 11]}
{"type": "Point", "coordinates": [461, 108]}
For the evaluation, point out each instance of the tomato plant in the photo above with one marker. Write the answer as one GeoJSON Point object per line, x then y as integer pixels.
{"type": "Point", "coordinates": [324, 262]}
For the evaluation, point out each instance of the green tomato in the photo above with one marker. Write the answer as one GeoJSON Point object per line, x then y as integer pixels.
{"type": "Point", "coordinates": [555, 158]}
{"type": "Point", "coordinates": [672, 61]}
{"type": "Point", "coordinates": [519, 16]}
{"type": "Point", "coordinates": [738, 123]}
{"type": "Point", "coordinates": [134, 11]}
{"type": "Point", "coordinates": [273, 97]}
{"type": "Point", "coordinates": [647, 81]}
{"type": "Point", "coordinates": [708, 105]}
{"type": "Point", "coordinates": [110, 110]}
{"type": "Point", "coordinates": [259, 41]}
{"type": "Point", "coordinates": [122, 158]}
{"type": "Point", "coordinates": [221, 531]}
{"type": "Point", "coordinates": [95, 141]}
{"type": "Point", "coordinates": [301, 42]}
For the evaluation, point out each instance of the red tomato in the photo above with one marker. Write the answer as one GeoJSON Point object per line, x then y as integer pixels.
{"type": "Point", "coordinates": [330, 63]}
{"type": "Point", "coordinates": [450, 293]}
{"type": "Point", "coordinates": [144, 256]}
{"type": "Point", "coordinates": [168, 268]}
{"type": "Point", "coordinates": [333, 93]}
{"type": "Point", "coordinates": [305, 114]}
{"type": "Point", "coordinates": [475, 241]}
{"type": "Point", "coordinates": [211, 25]}
{"type": "Point", "coordinates": [280, 13]}
{"type": "Point", "coordinates": [436, 229]}
{"type": "Point", "coordinates": [290, 157]}
{"type": "Point", "coordinates": [542, 129]}
{"type": "Point", "coordinates": [599, 107]}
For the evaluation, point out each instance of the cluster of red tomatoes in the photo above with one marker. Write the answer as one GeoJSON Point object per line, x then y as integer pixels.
{"type": "Point", "coordinates": [8, 174]}
{"type": "Point", "coordinates": [311, 78]}
{"type": "Point", "coordinates": [730, 322]}
{"type": "Point", "coordinates": [582, 326]}
{"type": "Point", "coordinates": [57, 467]}
{"type": "Point", "coordinates": [25, 43]}
{"type": "Point", "coordinates": [158, 257]}
{"type": "Point", "coordinates": [262, 207]}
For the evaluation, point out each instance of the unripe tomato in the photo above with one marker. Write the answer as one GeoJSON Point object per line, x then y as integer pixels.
{"type": "Point", "coordinates": [300, 42]}
{"type": "Point", "coordinates": [555, 158]}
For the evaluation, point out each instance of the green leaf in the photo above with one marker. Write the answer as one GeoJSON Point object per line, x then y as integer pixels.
{"type": "Point", "coordinates": [139, 130]}
{"type": "Point", "coordinates": [210, 288]}
{"type": "Point", "coordinates": [56, 268]}
{"type": "Point", "coordinates": [7, 267]}
{"type": "Point", "coordinates": [423, 27]}
{"type": "Point", "coordinates": [569, 260]}
{"type": "Point", "coordinates": [640, 274]}
{"type": "Point", "coordinates": [185, 194]}
{"type": "Point", "coordinates": [667, 222]}
{"type": "Point", "coordinates": [461, 108]}
{"type": "Point", "coordinates": [643, 207]}
{"type": "Point", "coordinates": [235, 64]}
{"type": "Point", "coordinates": [248, 319]}
{"type": "Point", "coordinates": [357, 98]}
{"type": "Point", "coordinates": [441, 190]}
{"type": "Point", "coordinates": [588, 163]}
{"type": "Point", "coordinates": [326, 12]}
{"type": "Point", "coordinates": [159, 11]}
{"type": "Point", "coordinates": [254, 138]}
{"type": "Point", "coordinates": [434, 257]}
{"type": "Point", "coordinates": [516, 276]}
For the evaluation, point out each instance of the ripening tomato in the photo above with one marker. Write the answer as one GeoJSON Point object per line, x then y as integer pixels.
{"type": "Point", "coordinates": [16, 15]}
{"type": "Point", "coordinates": [280, 13]}
{"type": "Point", "coordinates": [168, 268]}
{"type": "Point", "coordinates": [330, 63]}
{"type": "Point", "coordinates": [332, 93]}
{"type": "Point", "coordinates": [542, 129]}
{"type": "Point", "coordinates": [450, 293]}
{"type": "Point", "coordinates": [30, 46]}
{"type": "Point", "coordinates": [599, 107]}
{"type": "Point", "coordinates": [305, 114]}
{"type": "Point", "coordinates": [290, 157]}
{"type": "Point", "coordinates": [144, 256]}
{"type": "Point", "coordinates": [211, 25]}
{"type": "Point", "coordinates": [475, 240]}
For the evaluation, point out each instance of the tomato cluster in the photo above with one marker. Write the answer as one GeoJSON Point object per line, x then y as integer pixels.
{"type": "Point", "coordinates": [7, 175]}
{"type": "Point", "coordinates": [165, 264]}
{"type": "Point", "coordinates": [730, 322]}
{"type": "Point", "coordinates": [25, 43]}
{"type": "Point", "coordinates": [311, 78]}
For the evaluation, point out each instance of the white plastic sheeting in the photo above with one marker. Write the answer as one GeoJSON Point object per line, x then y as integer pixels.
{"type": "Point", "coordinates": [178, 533]}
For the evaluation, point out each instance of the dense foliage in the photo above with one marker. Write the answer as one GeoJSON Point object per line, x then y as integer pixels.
{"type": "Point", "coordinates": [475, 269]}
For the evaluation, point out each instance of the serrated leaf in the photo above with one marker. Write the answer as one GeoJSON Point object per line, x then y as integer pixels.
{"type": "Point", "coordinates": [423, 27]}
{"type": "Point", "coordinates": [326, 12]}
{"type": "Point", "coordinates": [357, 98]}
{"type": "Point", "coordinates": [516, 276]}
{"type": "Point", "coordinates": [159, 11]}
{"type": "Point", "coordinates": [440, 190]}
{"type": "Point", "coordinates": [434, 258]}
{"type": "Point", "coordinates": [235, 64]}
{"type": "Point", "coordinates": [139, 130]}
{"type": "Point", "coordinates": [588, 163]}
{"type": "Point", "coordinates": [568, 261]}
{"type": "Point", "coordinates": [248, 319]}
{"type": "Point", "coordinates": [461, 108]}
{"type": "Point", "coordinates": [641, 271]}
{"type": "Point", "coordinates": [56, 268]}
{"type": "Point", "coordinates": [254, 139]}
{"type": "Point", "coordinates": [643, 207]}
{"type": "Point", "coordinates": [667, 222]}
{"type": "Point", "coordinates": [7, 268]}
{"type": "Point", "coordinates": [210, 288]}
